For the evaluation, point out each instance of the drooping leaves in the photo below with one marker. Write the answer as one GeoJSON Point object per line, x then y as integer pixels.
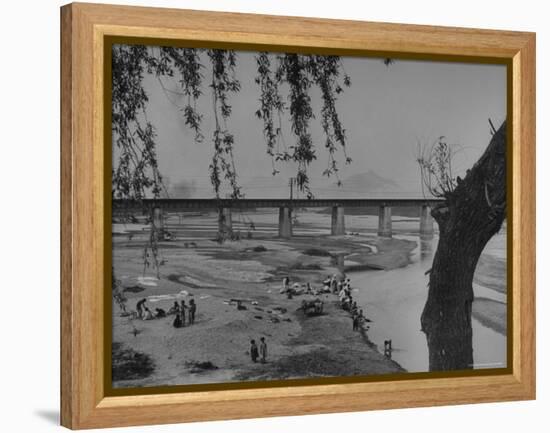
{"type": "Point", "coordinates": [136, 172]}
{"type": "Point", "coordinates": [224, 82]}
{"type": "Point", "coordinates": [300, 73]}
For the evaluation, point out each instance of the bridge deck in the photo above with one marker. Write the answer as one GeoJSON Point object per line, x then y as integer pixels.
{"type": "Point", "coordinates": [176, 204]}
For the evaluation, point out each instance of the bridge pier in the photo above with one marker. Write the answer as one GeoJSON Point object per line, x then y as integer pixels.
{"type": "Point", "coordinates": [158, 220]}
{"type": "Point", "coordinates": [285, 222]}
{"type": "Point", "coordinates": [337, 224]}
{"type": "Point", "coordinates": [426, 222]}
{"type": "Point", "coordinates": [384, 221]}
{"type": "Point", "coordinates": [225, 220]}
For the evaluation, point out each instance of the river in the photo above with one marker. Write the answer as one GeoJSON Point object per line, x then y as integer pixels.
{"type": "Point", "coordinates": [394, 300]}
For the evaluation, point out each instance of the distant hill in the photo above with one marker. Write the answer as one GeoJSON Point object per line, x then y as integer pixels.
{"type": "Point", "coordinates": [369, 185]}
{"type": "Point", "coordinates": [267, 186]}
{"type": "Point", "coordinates": [370, 180]}
{"type": "Point", "coordinates": [361, 185]}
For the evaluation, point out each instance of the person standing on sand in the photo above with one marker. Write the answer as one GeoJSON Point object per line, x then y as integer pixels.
{"type": "Point", "coordinates": [182, 312]}
{"type": "Point", "coordinates": [192, 311]}
{"type": "Point", "coordinates": [253, 351]}
{"type": "Point", "coordinates": [263, 350]}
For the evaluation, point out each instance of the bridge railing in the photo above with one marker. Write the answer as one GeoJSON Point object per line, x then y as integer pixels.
{"type": "Point", "coordinates": [177, 204]}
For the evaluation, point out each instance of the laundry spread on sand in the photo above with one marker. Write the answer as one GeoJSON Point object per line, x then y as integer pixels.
{"type": "Point", "coordinates": [148, 281]}
{"type": "Point", "coordinates": [157, 298]}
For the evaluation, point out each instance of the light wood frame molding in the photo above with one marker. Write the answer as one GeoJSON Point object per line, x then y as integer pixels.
{"type": "Point", "coordinates": [83, 223]}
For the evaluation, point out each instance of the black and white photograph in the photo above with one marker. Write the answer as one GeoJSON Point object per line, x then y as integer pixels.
{"type": "Point", "coordinates": [275, 216]}
{"type": "Point", "coordinates": [281, 216]}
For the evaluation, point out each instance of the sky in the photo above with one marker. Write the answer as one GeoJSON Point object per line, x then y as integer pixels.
{"type": "Point", "coordinates": [386, 112]}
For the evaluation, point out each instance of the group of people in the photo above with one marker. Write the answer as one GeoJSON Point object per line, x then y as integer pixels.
{"type": "Point", "coordinates": [144, 313]}
{"type": "Point", "coordinates": [348, 304]}
{"type": "Point", "coordinates": [335, 285]}
{"type": "Point", "coordinates": [179, 310]}
{"type": "Point", "coordinates": [344, 294]}
{"type": "Point", "coordinates": [258, 351]}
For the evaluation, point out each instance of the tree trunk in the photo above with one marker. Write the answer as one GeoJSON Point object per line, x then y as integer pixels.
{"type": "Point", "coordinates": [471, 214]}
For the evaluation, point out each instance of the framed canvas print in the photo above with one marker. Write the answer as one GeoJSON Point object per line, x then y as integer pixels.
{"type": "Point", "coordinates": [269, 216]}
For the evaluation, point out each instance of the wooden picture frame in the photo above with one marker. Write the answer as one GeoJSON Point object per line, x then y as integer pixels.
{"type": "Point", "coordinates": [84, 220]}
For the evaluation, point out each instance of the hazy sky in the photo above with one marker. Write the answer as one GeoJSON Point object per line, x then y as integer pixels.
{"type": "Point", "coordinates": [385, 112]}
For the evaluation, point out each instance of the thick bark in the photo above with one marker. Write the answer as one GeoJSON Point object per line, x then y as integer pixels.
{"type": "Point", "coordinates": [471, 214]}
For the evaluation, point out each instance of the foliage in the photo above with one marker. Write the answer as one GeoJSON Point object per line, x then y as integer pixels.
{"type": "Point", "coordinates": [300, 73]}
{"type": "Point", "coordinates": [436, 166]}
{"type": "Point", "coordinates": [134, 137]}
{"type": "Point", "coordinates": [136, 171]}
{"type": "Point", "coordinates": [137, 174]}
{"type": "Point", "coordinates": [223, 82]}
{"type": "Point", "coordinates": [436, 170]}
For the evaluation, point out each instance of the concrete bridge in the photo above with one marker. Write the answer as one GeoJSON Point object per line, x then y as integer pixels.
{"type": "Point", "coordinates": [224, 206]}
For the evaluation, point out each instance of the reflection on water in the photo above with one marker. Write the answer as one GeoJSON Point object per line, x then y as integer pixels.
{"type": "Point", "coordinates": [394, 301]}
{"type": "Point", "coordinates": [426, 247]}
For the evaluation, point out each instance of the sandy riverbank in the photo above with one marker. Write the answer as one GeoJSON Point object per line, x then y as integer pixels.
{"type": "Point", "coordinates": [215, 349]}
{"type": "Point", "coordinates": [490, 313]}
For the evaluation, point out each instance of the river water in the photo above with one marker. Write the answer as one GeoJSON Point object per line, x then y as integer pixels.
{"type": "Point", "coordinates": [394, 300]}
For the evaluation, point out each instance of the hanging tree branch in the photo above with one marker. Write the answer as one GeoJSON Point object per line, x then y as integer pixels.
{"type": "Point", "coordinates": [223, 84]}
{"type": "Point", "coordinates": [301, 72]}
{"type": "Point", "coordinates": [136, 173]}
